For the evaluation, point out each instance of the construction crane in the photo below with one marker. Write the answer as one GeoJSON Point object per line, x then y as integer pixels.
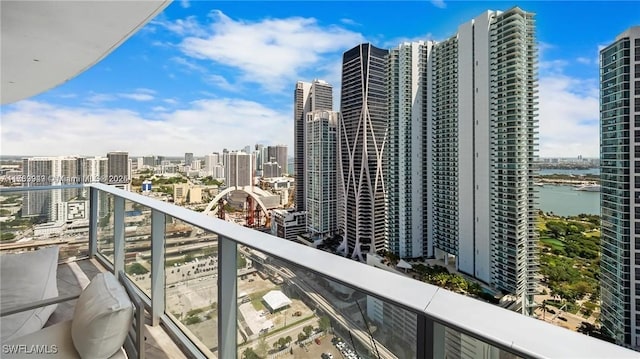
{"type": "Point", "coordinates": [250, 217]}
{"type": "Point", "coordinates": [221, 213]}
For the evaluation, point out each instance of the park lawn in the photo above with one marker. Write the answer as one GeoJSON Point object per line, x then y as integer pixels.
{"type": "Point", "coordinates": [553, 242]}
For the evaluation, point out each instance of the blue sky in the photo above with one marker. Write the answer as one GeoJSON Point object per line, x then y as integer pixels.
{"type": "Point", "coordinates": [203, 75]}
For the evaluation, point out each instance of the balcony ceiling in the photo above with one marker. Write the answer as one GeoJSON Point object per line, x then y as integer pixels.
{"type": "Point", "coordinates": [46, 43]}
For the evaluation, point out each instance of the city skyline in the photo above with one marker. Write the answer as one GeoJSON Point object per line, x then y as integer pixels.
{"type": "Point", "coordinates": [168, 82]}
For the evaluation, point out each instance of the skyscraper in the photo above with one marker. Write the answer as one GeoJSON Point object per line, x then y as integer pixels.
{"type": "Point", "coordinates": [282, 155]}
{"type": "Point", "coordinates": [259, 154]}
{"type": "Point", "coordinates": [238, 169]}
{"type": "Point", "coordinates": [188, 158]}
{"type": "Point", "coordinates": [461, 150]}
{"type": "Point", "coordinates": [210, 162]}
{"type": "Point", "coordinates": [620, 193]}
{"type": "Point", "coordinates": [38, 171]}
{"type": "Point", "coordinates": [362, 162]}
{"type": "Point", "coordinates": [49, 171]}
{"type": "Point", "coordinates": [320, 172]}
{"type": "Point", "coordinates": [407, 150]}
{"type": "Point", "coordinates": [277, 154]}
{"type": "Point", "coordinates": [314, 96]}
{"type": "Point", "coordinates": [95, 169]}
{"type": "Point", "coordinates": [118, 168]}
{"type": "Point", "coordinates": [483, 133]}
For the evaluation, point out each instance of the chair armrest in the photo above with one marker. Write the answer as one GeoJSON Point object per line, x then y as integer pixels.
{"type": "Point", "coordinates": [38, 304]}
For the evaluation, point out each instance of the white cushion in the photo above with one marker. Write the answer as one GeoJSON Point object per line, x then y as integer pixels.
{"type": "Point", "coordinates": [102, 318]}
{"type": "Point", "coordinates": [26, 278]}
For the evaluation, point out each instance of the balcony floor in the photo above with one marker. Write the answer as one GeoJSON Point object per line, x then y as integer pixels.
{"type": "Point", "coordinates": [72, 276]}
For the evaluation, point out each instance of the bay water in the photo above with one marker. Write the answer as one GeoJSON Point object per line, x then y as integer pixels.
{"type": "Point", "coordinates": [565, 200]}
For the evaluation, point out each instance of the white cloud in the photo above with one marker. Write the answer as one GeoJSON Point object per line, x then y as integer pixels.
{"type": "Point", "coordinates": [569, 117]}
{"type": "Point", "coordinates": [273, 52]}
{"type": "Point", "coordinates": [439, 4]}
{"type": "Point", "coordinates": [137, 96]}
{"type": "Point", "coordinates": [185, 4]}
{"type": "Point", "coordinates": [182, 27]}
{"type": "Point", "coordinates": [350, 22]}
{"type": "Point", "coordinates": [584, 60]}
{"type": "Point", "coordinates": [203, 127]}
{"type": "Point", "coordinates": [140, 94]}
{"type": "Point", "coordinates": [552, 66]}
{"type": "Point", "coordinates": [223, 83]}
{"type": "Point", "coordinates": [188, 65]}
{"type": "Point", "coordinates": [98, 98]}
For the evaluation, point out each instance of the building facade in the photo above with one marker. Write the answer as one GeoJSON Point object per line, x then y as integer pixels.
{"type": "Point", "coordinates": [320, 172]}
{"type": "Point", "coordinates": [288, 224]}
{"type": "Point", "coordinates": [188, 159]}
{"type": "Point", "coordinates": [483, 87]}
{"type": "Point", "coordinates": [461, 148]}
{"type": "Point", "coordinates": [362, 137]}
{"type": "Point", "coordinates": [278, 154]}
{"type": "Point", "coordinates": [271, 170]}
{"type": "Point", "coordinates": [238, 169]}
{"type": "Point", "coordinates": [620, 183]}
{"type": "Point", "coordinates": [119, 168]}
{"type": "Point", "coordinates": [407, 172]}
{"type": "Point", "coordinates": [308, 96]}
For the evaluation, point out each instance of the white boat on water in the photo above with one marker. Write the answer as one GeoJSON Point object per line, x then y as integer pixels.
{"type": "Point", "coordinates": [589, 188]}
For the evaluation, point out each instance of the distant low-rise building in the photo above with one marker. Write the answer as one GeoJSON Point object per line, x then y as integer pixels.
{"type": "Point", "coordinates": [288, 224]}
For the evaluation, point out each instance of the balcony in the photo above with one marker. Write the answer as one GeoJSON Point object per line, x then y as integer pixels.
{"type": "Point", "coordinates": [204, 284]}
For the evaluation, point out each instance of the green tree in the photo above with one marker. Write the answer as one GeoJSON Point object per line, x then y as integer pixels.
{"type": "Point", "coordinates": [137, 269]}
{"type": "Point", "coordinates": [192, 320]}
{"type": "Point", "coordinates": [301, 337]}
{"type": "Point", "coordinates": [250, 354]}
{"type": "Point", "coordinates": [241, 261]}
{"type": "Point", "coordinates": [324, 323]}
{"type": "Point", "coordinates": [262, 348]}
{"type": "Point", "coordinates": [307, 330]}
{"type": "Point", "coordinates": [6, 236]}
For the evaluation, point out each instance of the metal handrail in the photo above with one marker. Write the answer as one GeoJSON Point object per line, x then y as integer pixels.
{"type": "Point", "coordinates": [513, 332]}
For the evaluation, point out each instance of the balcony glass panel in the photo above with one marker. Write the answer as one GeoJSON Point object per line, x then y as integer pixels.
{"type": "Point", "coordinates": [285, 309]}
{"type": "Point", "coordinates": [105, 225]}
{"type": "Point", "coordinates": [191, 271]}
{"type": "Point", "coordinates": [450, 343]}
{"type": "Point", "coordinates": [137, 247]}
{"type": "Point", "coordinates": [39, 217]}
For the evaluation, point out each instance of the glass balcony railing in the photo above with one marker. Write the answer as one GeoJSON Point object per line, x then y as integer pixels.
{"type": "Point", "coordinates": [224, 291]}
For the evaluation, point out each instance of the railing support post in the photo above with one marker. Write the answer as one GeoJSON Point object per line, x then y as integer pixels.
{"type": "Point", "coordinates": [425, 332]}
{"type": "Point", "coordinates": [118, 235]}
{"type": "Point", "coordinates": [227, 298]}
{"type": "Point", "coordinates": [157, 266]}
{"type": "Point", "coordinates": [93, 221]}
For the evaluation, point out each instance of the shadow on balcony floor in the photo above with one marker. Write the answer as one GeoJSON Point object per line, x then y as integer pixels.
{"type": "Point", "coordinates": [73, 276]}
